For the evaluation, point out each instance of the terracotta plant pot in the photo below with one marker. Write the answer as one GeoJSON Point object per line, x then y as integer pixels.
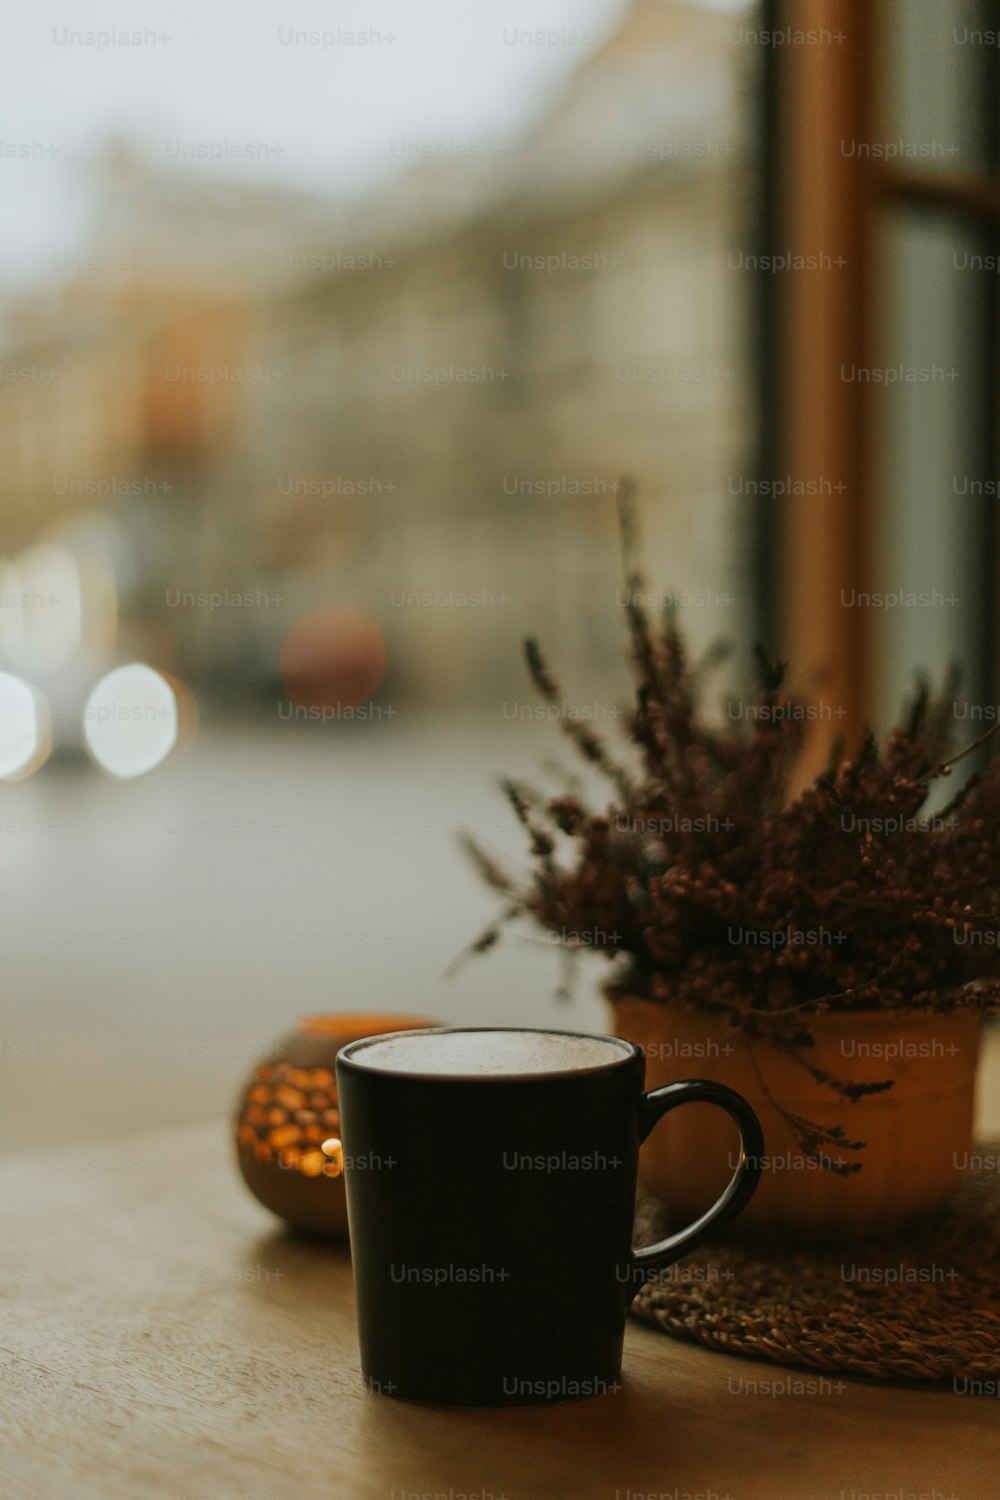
{"type": "Point", "coordinates": [917, 1132]}
{"type": "Point", "coordinates": [288, 1110]}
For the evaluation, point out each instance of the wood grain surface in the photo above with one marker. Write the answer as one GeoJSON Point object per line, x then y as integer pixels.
{"type": "Point", "coordinates": [160, 1338]}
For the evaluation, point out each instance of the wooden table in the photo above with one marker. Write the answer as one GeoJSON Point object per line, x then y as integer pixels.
{"type": "Point", "coordinates": [162, 1339]}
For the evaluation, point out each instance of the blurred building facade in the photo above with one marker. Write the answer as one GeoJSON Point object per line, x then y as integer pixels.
{"type": "Point", "coordinates": [419, 405]}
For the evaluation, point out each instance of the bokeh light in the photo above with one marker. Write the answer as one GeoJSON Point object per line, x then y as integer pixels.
{"type": "Point", "coordinates": [25, 728]}
{"type": "Point", "coordinates": [333, 659]}
{"type": "Point", "coordinates": [130, 722]}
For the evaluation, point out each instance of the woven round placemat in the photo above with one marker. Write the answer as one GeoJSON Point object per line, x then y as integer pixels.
{"type": "Point", "coordinates": [920, 1303]}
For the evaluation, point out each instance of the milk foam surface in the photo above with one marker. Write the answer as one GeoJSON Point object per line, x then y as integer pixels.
{"type": "Point", "coordinates": [484, 1053]}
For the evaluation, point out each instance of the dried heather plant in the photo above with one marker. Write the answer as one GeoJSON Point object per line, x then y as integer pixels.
{"type": "Point", "coordinates": [702, 839]}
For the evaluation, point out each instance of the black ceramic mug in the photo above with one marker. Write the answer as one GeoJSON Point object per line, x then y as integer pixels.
{"type": "Point", "coordinates": [491, 1181]}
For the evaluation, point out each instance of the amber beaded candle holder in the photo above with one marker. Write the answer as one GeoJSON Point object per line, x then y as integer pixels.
{"type": "Point", "coordinates": [288, 1123]}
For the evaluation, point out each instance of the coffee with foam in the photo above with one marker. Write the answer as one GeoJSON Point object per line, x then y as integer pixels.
{"type": "Point", "coordinates": [482, 1053]}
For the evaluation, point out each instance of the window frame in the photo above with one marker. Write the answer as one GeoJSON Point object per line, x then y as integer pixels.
{"type": "Point", "coordinates": [814, 424]}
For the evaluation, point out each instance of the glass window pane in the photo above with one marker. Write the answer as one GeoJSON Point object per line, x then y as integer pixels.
{"type": "Point", "coordinates": [940, 64]}
{"type": "Point", "coordinates": [326, 371]}
{"type": "Point", "coordinates": [932, 482]}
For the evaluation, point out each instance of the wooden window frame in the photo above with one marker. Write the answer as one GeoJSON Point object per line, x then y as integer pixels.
{"type": "Point", "coordinates": [817, 197]}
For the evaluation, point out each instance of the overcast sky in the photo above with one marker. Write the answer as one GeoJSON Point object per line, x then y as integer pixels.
{"type": "Point", "coordinates": [221, 74]}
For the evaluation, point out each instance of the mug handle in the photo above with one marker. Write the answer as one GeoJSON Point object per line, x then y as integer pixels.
{"type": "Point", "coordinates": [741, 1188]}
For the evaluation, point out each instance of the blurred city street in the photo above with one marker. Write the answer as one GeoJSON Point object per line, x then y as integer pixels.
{"type": "Point", "coordinates": [303, 428]}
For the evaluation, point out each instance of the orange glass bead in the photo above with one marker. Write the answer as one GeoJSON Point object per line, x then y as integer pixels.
{"type": "Point", "coordinates": [289, 1097]}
